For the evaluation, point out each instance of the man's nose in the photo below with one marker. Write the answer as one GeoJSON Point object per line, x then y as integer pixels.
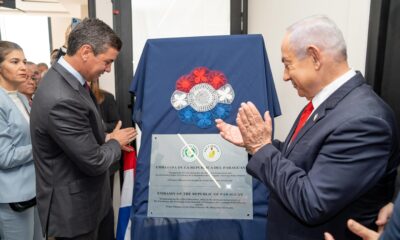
{"type": "Point", "coordinates": [286, 76]}
{"type": "Point", "coordinates": [108, 68]}
{"type": "Point", "coordinates": [23, 66]}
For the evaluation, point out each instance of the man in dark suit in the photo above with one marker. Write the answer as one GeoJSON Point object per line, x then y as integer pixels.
{"type": "Point", "coordinates": [339, 160]}
{"type": "Point", "coordinates": [72, 154]}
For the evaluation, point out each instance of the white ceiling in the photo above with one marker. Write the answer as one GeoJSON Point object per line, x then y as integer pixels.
{"type": "Point", "coordinates": [61, 8]}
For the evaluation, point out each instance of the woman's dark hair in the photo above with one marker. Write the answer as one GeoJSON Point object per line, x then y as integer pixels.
{"type": "Point", "coordinates": [6, 47]}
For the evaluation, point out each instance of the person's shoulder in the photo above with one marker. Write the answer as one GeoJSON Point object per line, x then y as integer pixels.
{"type": "Point", "coordinates": [3, 101]}
{"type": "Point", "coordinates": [107, 95]}
{"type": "Point", "coordinates": [51, 75]}
{"type": "Point", "coordinates": [370, 102]}
{"type": "Point", "coordinates": [3, 94]}
{"type": "Point", "coordinates": [54, 88]}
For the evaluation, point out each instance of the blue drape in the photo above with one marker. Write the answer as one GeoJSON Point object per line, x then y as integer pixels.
{"type": "Point", "coordinates": [243, 61]}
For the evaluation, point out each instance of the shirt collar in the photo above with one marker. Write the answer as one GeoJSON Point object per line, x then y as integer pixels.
{"type": "Point", "coordinates": [331, 88]}
{"type": "Point", "coordinates": [71, 70]}
{"type": "Point", "coordinates": [9, 92]}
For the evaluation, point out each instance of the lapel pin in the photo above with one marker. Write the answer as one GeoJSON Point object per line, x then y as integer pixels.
{"type": "Point", "coordinates": [315, 117]}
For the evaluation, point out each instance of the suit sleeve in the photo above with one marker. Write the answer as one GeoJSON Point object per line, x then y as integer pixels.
{"type": "Point", "coordinates": [11, 155]}
{"type": "Point", "coordinates": [352, 159]}
{"type": "Point", "coordinates": [69, 126]}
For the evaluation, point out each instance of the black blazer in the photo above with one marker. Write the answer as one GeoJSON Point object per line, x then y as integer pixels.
{"type": "Point", "coordinates": [70, 155]}
{"type": "Point", "coordinates": [109, 111]}
{"type": "Point", "coordinates": [341, 165]}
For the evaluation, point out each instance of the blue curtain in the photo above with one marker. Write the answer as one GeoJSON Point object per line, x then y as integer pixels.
{"type": "Point", "coordinates": [177, 64]}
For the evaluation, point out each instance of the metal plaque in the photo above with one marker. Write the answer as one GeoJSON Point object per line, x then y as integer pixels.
{"type": "Point", "coordinates": [198, 176]}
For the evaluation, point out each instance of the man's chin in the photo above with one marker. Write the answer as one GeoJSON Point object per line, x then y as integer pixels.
{"type": "Point", "coordinates": [300, 94]}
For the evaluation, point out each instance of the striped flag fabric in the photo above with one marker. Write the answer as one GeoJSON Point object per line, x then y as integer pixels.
{"type": "Point", "coordinates": [124, 222]}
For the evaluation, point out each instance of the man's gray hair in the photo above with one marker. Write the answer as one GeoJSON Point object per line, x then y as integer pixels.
{"type": "Point", "coordinates": [319, 31]}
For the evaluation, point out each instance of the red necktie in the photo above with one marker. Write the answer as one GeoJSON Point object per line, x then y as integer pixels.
{"type": "Point", "coordinates": [303, 119]}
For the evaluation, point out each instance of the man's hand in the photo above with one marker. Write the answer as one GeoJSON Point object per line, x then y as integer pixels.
{"type": "Point", "coordinates": [328, 236]}
{"type": "Point", "coordinates": [359, 230]}
{"type": "Point", "coordinates": [230, 133]}
{"type": "Point", "coordinates": [383, 217]}
{"type": "Point", "coordinates": [254, 130]}
{"type": "Point", "coordinates": [123, 136]}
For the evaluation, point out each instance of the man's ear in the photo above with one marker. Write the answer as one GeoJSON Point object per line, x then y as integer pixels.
{"type": "Point", "coordinates": [315, 54]}
{"type": "Point", "coordinates": [84, 51]}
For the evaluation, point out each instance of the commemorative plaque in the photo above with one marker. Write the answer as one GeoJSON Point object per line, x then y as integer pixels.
{"type": "Point", "coordinates": [198, 176]}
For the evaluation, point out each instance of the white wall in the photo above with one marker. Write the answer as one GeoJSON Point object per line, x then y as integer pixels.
{"type": "Point", "coordinates": [30, 32]}
{"type": "Point", "coordinates": [104, 13]}
{"type": "Point", "coordinates": [59, 26]}
{"type": "Point", "coordinates": [272, 17]}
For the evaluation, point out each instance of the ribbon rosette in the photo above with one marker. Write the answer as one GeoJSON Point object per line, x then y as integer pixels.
{"type": "Point", "coordinates": [202, 96]}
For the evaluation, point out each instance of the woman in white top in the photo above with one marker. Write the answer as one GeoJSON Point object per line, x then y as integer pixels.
{"type": "Point", "coordinates": [17, 173]}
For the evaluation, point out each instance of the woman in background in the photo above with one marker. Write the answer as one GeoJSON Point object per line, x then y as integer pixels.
{"type": "Point", "coordinates": [28, 87]}
{"type": "Point", "coordinates": [107, 105]}
{"type": "Point", "coordinates": [109, 114]}
{"type": "Point", "coordinates": [17, 173]}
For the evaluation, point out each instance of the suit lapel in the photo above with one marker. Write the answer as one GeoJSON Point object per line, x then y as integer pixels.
{"type": "Point", "coordinates": [75, 84]}
{"type": "Point", "coordinates": [287, 142]}
{"type": "Point", "coordinates": [23, 99]}
{"type": "Point", "coordinates": [25, 102]}
{"type": "Point", "coordinates": [323, 110]}
{"type": "Point", "coordinates": [88, 97]}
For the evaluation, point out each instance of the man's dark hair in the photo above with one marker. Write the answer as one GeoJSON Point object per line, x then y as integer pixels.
{"type": "Point", "coordinates": [6, 47]}
{"type": "Point", "coordinates": [95, 33]}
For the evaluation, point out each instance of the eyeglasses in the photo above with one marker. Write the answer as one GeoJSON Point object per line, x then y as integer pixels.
{"type": "Point", "coordinates": [33, 78]}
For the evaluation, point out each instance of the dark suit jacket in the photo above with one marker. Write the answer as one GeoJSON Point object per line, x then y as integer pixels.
{"type": "Point", "coordinates": [341, 165]}
{"type": "Point", "coordinates": [71, 158]}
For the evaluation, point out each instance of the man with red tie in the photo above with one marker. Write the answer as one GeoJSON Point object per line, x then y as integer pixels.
{"type": "Point", "coordinates": [339, 160]}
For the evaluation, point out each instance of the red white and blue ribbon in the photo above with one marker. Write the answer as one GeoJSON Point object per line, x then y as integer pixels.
{"type": "Point", "coordinates": [202, 96]}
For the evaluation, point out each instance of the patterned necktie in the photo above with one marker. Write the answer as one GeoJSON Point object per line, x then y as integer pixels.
{"type": "Point", "coordinates": [303, 119]}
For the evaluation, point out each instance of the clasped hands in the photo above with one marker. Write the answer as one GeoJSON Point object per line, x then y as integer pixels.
{"type": "Point", "coordinates": [124, 136]}
{"type": "Point", "coordinates": [251, 132]}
